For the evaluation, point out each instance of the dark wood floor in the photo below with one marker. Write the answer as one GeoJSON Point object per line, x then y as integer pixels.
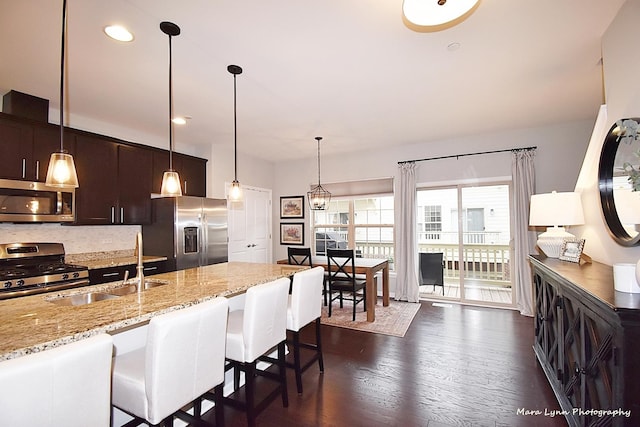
{"type": "Point", "coordinates": [456, 366]}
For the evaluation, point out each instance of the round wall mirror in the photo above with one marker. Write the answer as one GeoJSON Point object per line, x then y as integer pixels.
{"type": "Point", "coordinates": [619, 181]}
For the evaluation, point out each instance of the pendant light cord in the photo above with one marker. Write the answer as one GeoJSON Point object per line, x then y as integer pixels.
{"type": "Point", "coordinates": [318, 138]}
{"type": "Point", "coordinates": [64, 27]}
{"type": "Point", "coordinates": [170, 107]}
{"type": "Point", "coordinates": [235, 133]}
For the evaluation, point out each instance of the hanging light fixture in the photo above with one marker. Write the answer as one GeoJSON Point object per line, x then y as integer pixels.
{"type": "Point", "coordinates": [235, 192]}
{"type": "Point", "coordinates": [318, 197]}
{"type": "Point", "coordinates": [170, 178]}
{"type": "Point", "coordinates": [62, 170]}
{"type": "Point", "coordinates": [434, 15]}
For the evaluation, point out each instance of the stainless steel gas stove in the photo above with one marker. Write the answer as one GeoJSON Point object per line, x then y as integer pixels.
{"type": "Point", "coordinates": [32, 268]}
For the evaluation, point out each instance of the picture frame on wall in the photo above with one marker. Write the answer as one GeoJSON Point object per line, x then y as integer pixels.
{"type": "Point", "coordinates": [291, 233]}
{"type": "Point", "coordinates": [571, 250]}
{"type": "Point", "coordinates": [292, 207]}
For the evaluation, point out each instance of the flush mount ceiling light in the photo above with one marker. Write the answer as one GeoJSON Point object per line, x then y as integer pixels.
{"type": "Point", "coordinates": [436, 15]}
{"type": "Point", "coordinates": [62, 170]}
{"type": "Point", "coordinates": [318, 197]}
{"type": "Point", "coordinates": [170, 179]}
{"type": "Point", "coordinates": [118, 32]}
{"type": "Point", "coordinates": [235, 192]}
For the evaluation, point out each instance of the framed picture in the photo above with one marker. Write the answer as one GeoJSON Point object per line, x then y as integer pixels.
{"type": "Point", "coordinates": [292, 207]}
{"type": "Point", "coordinates": [571, 250]}
{"type": "Point", "coordinates": [291, 234]}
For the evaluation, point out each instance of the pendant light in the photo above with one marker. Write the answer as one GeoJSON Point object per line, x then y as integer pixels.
{"type": "Point", "coordinates": [170, 178]}
{"type": "Point", "coordinates": [235, 192]}
{"type": "Point", "coordinates": [318, 197]}
{"type": "Point", "coordinates": [62, 170]}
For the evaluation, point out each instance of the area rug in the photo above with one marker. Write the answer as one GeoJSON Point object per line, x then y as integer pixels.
{"type": "Point", "coordinates": [391, 320]}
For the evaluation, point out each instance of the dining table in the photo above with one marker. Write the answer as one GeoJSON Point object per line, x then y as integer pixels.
{"type": "Point", "coordinates": [369, 267]}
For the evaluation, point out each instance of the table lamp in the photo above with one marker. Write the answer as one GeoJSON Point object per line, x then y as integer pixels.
{"type": "Point", "coordinates": [555, 211]}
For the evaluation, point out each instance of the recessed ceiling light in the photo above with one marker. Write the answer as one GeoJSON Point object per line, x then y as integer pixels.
{"type": "Point", "coordinates": [180, 120]}
{"type": "Point", "coordinates": [118, 32]}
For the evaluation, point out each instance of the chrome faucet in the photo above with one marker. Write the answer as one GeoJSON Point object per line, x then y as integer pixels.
{"type": "Point", "coordinates": [139, 279]}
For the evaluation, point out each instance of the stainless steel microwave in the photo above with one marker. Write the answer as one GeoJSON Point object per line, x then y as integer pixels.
{"type": "Point", "coordinates": [24, 201]}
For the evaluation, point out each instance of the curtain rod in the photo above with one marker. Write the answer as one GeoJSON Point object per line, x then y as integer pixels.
{"type": "Point", "coordinates": [469, 154]}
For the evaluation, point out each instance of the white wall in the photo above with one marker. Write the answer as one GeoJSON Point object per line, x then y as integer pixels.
{"type": "Point", "coordinates": [252, 171]}
{"type": "Point", "coordinates": [561, 149]}
{"type": "Point", "coordinates": [621, 69]}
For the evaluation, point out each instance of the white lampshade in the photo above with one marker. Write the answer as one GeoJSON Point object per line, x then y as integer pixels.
{"type": "Point", "coordinates": [555, 210]}
{"type": "Point", "coordinates": [433, 13]}
{"type": "Point", "coordinates": [170, 184]}
{"type": "Point", "coordinates": [61, 171]}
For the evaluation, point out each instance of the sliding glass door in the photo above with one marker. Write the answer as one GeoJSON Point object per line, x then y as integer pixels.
{"type": "Point", "coordinates": [470, 226]}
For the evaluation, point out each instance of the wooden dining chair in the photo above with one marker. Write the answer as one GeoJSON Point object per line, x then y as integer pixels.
{"type": "Point", "coordinates": [299, 256]}
{"type": "Point", "coordinates": [342, 279]}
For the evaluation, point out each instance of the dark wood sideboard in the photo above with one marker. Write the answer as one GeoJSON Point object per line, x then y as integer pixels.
{"type": "Point", "coordinates": [587, 340]}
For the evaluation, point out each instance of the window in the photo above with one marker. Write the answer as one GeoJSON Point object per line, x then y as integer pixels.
{"type": "Point", "coordinates": [361, 223]}
{"type": "Point", "coordinates": [432, 224]}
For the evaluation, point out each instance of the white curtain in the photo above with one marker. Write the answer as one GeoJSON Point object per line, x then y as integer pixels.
{"type": "Point", "coordinates": [523, 175]}
{"type": "Point", "coordinates": [406, 258]}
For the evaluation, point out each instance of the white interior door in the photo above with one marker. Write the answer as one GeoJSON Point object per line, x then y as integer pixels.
{"type": "Point", "coordinates": [250, 227]}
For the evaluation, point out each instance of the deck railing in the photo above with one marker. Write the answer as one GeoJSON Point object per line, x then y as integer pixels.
{"type": "Point", "coordinates": [484, 262]}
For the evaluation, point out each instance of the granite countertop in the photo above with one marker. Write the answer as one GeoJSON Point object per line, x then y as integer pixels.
{"type": "Point", "coordinates": [95, 260]}
{"type": "Point", "coordinates": [30, 324]}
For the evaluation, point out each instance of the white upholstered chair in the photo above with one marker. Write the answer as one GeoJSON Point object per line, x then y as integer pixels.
{"type": "Point", "coordinates": [64, 386]}
{"type": "Point", "coordinates": [305, 306]}
{"type": "Point", "coordinates": [183, 358]}
{"type": "Point", "coordinates": [253, 332]}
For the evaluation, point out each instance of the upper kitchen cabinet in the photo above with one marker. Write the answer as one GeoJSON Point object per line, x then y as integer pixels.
{"type": "Point", "coordinates": [135, 168]}
{"type": "Point", "coordinates": [115, 182]}
{"type": "Point", "coordinates": [192, 171]}
{"type": "Point", "coordinates": [26, 146]}
{"type": "Point", "coordinates": [96, 162]}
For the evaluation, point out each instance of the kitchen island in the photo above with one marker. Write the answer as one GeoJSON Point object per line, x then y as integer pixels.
{"type": "Point", "coordinates": [33, 323]}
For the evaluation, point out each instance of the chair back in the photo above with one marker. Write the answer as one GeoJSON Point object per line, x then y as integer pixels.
{"type": "Point", "coordinates": [65, 386]}
{"type": "Point", "coordinates": [431, 268]}
{"type": "Point", "coordinates": [265, 317]}
{"type": "Point", "coordinates": [305, 302]}
{"type": "Point", "coordinates": [299, 256]}
{"type": "Point", "coordinates": [341, 264]}
{"type": "Point", "coordinates": [184, 356]}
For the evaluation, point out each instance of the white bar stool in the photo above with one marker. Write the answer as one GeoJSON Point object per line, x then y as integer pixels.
{"type": "Point", "coordinates": [183, 359]}
{"type": "Point", "coordinates": [65, 386]}
{"type": "Point", "coordinates": [251, 334]}
{"type": "Point", "coordinates": [305, 306]}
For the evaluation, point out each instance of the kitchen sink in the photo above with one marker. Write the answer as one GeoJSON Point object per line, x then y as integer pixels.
{"type": "Point", "coordinates": [132, 288]}
{"type": "Point", "coordinates": [82, 299]}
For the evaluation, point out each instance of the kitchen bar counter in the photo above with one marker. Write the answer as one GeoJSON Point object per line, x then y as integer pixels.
{"type": "Point", "coordinates": [32, 323]}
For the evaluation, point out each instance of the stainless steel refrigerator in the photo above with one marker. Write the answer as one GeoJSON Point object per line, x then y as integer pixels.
{"type": "Point", "coordinates": [189, 231]}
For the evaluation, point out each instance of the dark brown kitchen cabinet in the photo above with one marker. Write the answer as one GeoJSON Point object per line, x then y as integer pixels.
{"type": "Point", "coordinates": [587, 336]}
{"type": "Point", "coordinates": [115, 182]}
{"type": "Point", "coordinates": [115, 274]}
{"type": "Point", "coordinates": [25, 148]}
{"type": "Point", "coordinates": [192, 171]}
{"type": "Point", "coordinates": [135, 167]}
{"type": "Point", "coordinates": [96, 162]}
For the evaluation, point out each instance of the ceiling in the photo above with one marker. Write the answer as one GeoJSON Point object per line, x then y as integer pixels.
{"type": "Point", "coordinates": [347, 70]}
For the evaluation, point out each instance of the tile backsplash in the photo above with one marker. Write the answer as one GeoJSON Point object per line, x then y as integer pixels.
{"type": "Point", "coordinates": [76, 239]}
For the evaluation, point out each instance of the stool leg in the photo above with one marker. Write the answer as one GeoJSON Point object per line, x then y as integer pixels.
{"type": "Point", "coordinates": [296, 360]}
{"type": "Point", "coordinates": [319, 345]}
{"type": "Point", "coordinates": [218, 402]}
{"type": "Point", "coordinates": [283, 374]}
{"type": "Point", "coordinates": [249, 381]}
